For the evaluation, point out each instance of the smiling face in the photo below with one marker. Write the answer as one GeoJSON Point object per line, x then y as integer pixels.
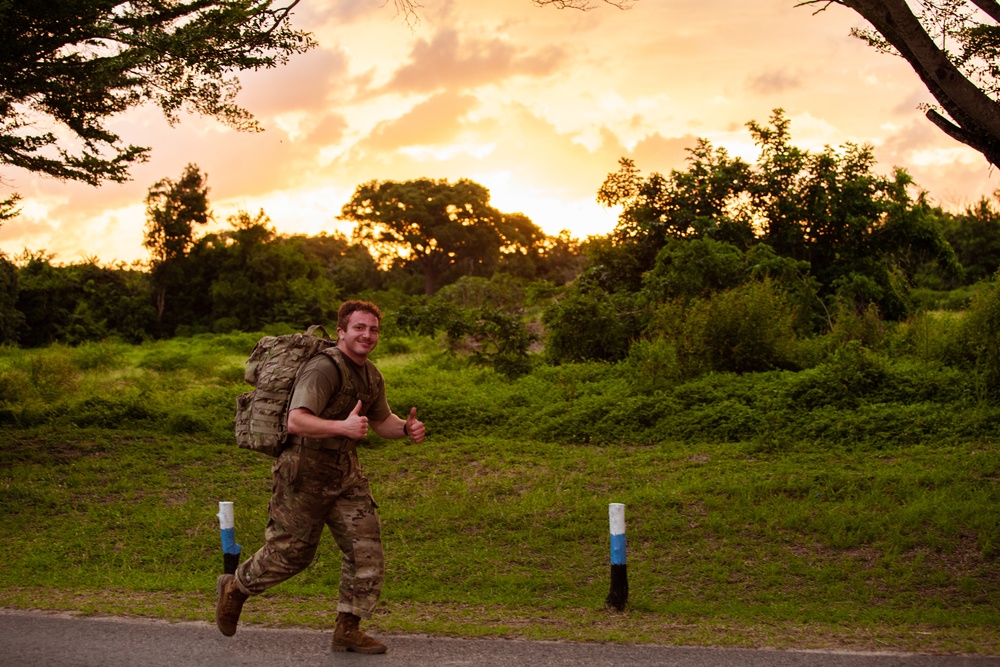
{"type": "Point", "coordinates": [360, 337]}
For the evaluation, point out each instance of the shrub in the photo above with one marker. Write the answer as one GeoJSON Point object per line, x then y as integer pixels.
{"type": "Point", "coordinates": [50, 372]}
{"type": "Point", "coordinates": [500, 341]}
{"type": "Point", "coordinates": [746, 329]}
{"type": "Point", "coordinates": [165, 360]}
{"type": "Point", "coordinates": [864, 326]}
{"type": "Point", "coordinates": [589, 324]}
{"type": "Point", "coordinates": [503, 292]}
{"type": "Point", "coordinates": [653, 364]}
{"type": "Point", "coordinates": [979, 333]}
{"type": "Point", "coordinates": [853, 374]}
{"type": "Point", "coordinates": [103, 355]}
{"type": "Point", "coordinates": [112, 410]}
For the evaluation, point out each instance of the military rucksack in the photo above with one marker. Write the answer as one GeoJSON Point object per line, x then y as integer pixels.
{"type": "Point", "coordinates": [273, 367]}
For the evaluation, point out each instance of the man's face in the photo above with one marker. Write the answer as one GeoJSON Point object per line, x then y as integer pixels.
{"type": "Point", "coordinates": [361, 336]}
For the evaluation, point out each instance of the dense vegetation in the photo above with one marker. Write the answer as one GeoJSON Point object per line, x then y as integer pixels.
{"type": "Point", "coordinates": [806, 243]}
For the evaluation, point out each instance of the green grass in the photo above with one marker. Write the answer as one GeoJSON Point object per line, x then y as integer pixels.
{"type": "Point", "coordinates": [114, 461]}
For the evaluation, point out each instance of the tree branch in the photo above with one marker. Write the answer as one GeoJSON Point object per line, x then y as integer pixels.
{"type": "Point", "coordinates": [975, 115]}
{"type": "Point", "coordinates": [583, 5]}
{"type": "Point", "coordinates": [989, 7]}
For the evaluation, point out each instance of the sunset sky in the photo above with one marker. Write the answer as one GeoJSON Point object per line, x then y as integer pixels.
{"type": "Point", "coordinates": [536, 104]}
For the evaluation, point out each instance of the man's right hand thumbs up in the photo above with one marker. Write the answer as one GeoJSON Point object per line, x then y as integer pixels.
{"type": "Point", "coordinates": [356, 424]}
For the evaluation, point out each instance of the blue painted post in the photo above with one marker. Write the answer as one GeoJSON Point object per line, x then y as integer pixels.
{"type": "Point", "coordinates": [227, 529]}
{"type": "Point", "coordinates": [619, 574]}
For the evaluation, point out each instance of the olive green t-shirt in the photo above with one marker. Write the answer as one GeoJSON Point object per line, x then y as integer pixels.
{"type": "Point", "coordinates": [320, 382]}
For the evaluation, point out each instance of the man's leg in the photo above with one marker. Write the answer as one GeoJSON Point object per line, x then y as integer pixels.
{"type": "Point", "coordinates": [354, 523]}
{"type": "Point", "coordinates": [294, 528]}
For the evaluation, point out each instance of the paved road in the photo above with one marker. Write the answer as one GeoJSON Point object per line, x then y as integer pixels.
{"type": "Point", "coordinates": [38, 639]}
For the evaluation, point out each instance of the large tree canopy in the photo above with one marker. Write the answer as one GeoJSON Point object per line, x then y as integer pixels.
{"type": "Point", "coordinates": [71, 65]}
{"type": "Point", "coordinates": [438, 227]}
{"type": "Point", "coordinates": [829, 210]}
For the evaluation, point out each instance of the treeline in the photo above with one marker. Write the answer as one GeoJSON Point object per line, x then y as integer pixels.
{"type": "Point", "coordinates": [248, 276]}
{"type": "Point", "coordinates": [722, 266]}
{"type": "Point", "coordinates": [728, 266]}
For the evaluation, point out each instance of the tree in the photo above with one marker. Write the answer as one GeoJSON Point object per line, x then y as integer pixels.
{"type": "Point", "coordinates": [953, 47]}
{"type": "Point", "coordinates": [73, 64]}
{"type": "Point", "coordinates": [858, 231]}
{"type": "Point", "coordinates": [46, 298]}
{"type": "Point", "coordinates": [975, 236]}
{"type": "Point", "coordinates": [11, 319]}
{"type": "Point", "coordinates": [440, 228]}
{"type": "Point", "coordinates": [173, 208]}
{"type": "Point", "coordinates": [258, 278]}
{"type": "Point", "coordinates": [348, 266]}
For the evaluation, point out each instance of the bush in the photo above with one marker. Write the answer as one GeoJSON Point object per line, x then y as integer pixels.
{"type": "Point", "coordinates": [743, 330]}
{"type": "Point", "coordinates": [853, 374]}
{"type": "Point", "coordinates": [499, 340]}
{"type": "Point", "coordinates": [589, 324]}
{"type": "Point", "coordinates": [864, 326]}
{"type": "Point", "coordinates": [978, 339]}
{"type": "Point", "coordinates": [653, 365]}
{"type": "Point", "coordinates": [103, 355]}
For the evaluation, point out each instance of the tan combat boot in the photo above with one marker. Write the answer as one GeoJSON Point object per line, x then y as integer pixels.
{"type": "Point", "coordinates": [229, 604]}
{"type": "Point", "coordinates": [347, 636]}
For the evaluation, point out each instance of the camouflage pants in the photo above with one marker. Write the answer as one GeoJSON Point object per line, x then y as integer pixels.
{"type": "Point", "coordinates": [312, 488]}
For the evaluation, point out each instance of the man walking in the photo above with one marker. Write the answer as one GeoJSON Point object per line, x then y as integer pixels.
{"type": "Point", "coordinates": [317, 481]}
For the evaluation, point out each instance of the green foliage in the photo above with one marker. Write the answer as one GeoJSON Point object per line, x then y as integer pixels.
{"type": "Point", "coordinates": [975, 236]}
{"type": "Point", "coordinates": [498, 340]}
{"type": "Point", "coordinates": [250, 278]}
{"type": "Point", "coordinates": [76, 64]}
{"type": "Point", "coordinates": [857, 493]}
{"type": "Point", "coordinates": [103, 355]}
{"type": "Point", "coordinates": [853, 232]}
{"type": "Point", "coordinates": [693, 268]}
{"type": "Point", "coordinates": [501, 291]}
{"type": "Point", "coordinates": [588, 324]}
{"type": "Point", "coordinates": [81, 302]}
{"type": "Point", "coordinates": [865, 327]}
{"type": "Point", "coordinates": [348, 266]}
{"type": "Point", "coordinates": [742, 330]}
{"type": "Point", "coordinates": [492, 337]}
{"type": "Point", "coordinates": [979, 334]}
{"type": "Point", "coordinates": [11, 319]}
{"type": "Point", "coordinates": [443, 230]}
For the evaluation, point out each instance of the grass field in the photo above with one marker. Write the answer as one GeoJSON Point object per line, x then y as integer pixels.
{"type": "Point", "coordinates": [115, 458]}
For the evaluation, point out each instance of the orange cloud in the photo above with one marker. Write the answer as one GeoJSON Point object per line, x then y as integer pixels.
{"type": "Point", "coordinates": [773, 81]}
{"type": "Point", "coordinates": [434, 121]}
{"type": "Point", "coordinates": [445, 62]}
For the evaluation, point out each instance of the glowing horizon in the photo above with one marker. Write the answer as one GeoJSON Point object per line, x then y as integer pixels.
{"type": "Point", "coordinates": [537, 105]}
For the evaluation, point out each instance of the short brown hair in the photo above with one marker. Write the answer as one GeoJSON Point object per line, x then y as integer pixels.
{"type": "Point", "coordinates": [350, 307]}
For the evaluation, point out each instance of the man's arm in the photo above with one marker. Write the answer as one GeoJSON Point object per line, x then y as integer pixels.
{"type": "Point", "coordinates": [392, 427]}
{"type": "Point", "coordinates": [303, 423]}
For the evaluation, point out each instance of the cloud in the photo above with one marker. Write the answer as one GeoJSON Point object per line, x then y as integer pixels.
{"type": "Point", "coordinates": [773, 82]}
{"type": "Point", "coordinates": [445, 62]}
{"type": "Point", "coordinates": [305, 83]}
{"type": "Point", "coordinates": [434, 121]}
{"type": "Point", "coordinates": [660, 154]}
{"type": "Point", "coordinates": [341, 11]}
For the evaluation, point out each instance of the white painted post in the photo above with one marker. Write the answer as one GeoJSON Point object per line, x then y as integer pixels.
{"type": "Point", "coordinates": [618, 595]}
{"type": "Point", "coordinates": [227, 530]}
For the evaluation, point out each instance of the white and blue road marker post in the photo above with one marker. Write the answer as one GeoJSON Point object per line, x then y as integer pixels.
{"type": "Point", "coordinates": [227, 529]}
{"type": "Point", "coordinates": [619, 575]}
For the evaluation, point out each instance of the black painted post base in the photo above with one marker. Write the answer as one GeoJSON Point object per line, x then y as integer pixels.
{"type": "Point", "coordinates": [618, 596]}
{"type": "Point", "coordinates": [229, 563]}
